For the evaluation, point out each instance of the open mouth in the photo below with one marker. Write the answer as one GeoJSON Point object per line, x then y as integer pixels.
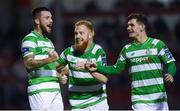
{"type": "Point", "coordinates": [131, 32]}
{"type": "Point", "coordinates": [49, 25]}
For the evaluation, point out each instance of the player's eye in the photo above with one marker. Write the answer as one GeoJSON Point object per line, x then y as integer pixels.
{"type": "Point", "coordinates": [75, 33]}
{"type": "Point", "coordinates": [81, 33]}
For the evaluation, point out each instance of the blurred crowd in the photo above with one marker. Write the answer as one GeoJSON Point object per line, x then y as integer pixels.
{"type": "Point", "coordinates": [109, 19]}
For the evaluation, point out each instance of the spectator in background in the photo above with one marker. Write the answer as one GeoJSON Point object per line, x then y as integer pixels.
{"type": "Point", "coordinates": [177, 31]}
{"type": "Point", "coordinates": [161, 29]}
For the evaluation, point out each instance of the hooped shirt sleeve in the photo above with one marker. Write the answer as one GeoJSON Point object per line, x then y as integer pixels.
{"type": "Point", "coordinates": [113, 69]}
{"type": "Point", "coordinates": [164, 53]}
{"type": "Point", "coordinates": [101, 59]}
{"type": "Point", "coordinates": [28, 45]}
{"type": "Point", "coordinates": [62, 58]}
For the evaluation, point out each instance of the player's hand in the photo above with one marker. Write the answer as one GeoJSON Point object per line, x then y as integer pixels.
{"type": "Point", "coordinates": [64, 75]}
{"type": "Point", "coordinates": [53, 56]}
{"type": "Point", "coordinates": [80, 65]}
{"type": "Point", "coordinates": [63, 78]}
{"type": "Point", "coordinates": [169, 78]}
{"type": "Point", "coordinates": [65, 71]}
{"type": "Point", "coordinates": [91, 66]}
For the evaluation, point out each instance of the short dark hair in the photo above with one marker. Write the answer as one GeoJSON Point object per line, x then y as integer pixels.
{"type": "Point", "coordinates": [36, 12]}
{"type": "Point", "coordinates": [141, 18]}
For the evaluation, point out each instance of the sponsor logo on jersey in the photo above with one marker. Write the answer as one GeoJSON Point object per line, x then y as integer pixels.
{"type": "Point", "coordinates": [73, 59]}
{"type": "Point", "coordinates": [148, 51]}
{"type": "Point", "coordinates": [140, 59]}
{"type": "Point", "coordinates": [132, 54]}
{"type": "Point", "coordinates": [46, 50]}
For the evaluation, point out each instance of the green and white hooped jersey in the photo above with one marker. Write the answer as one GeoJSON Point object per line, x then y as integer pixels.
{"type": "Point", "coordinates": [43, 79]}
{"type": "Point", "coordinates": [84, 90]}
{"type": "Point", "coordinates": [145, 62]}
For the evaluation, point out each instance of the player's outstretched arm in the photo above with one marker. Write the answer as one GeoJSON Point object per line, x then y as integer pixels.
{"type": "Point", "coordinates": [31, 63]}
{"type": "Point", "coordinates": [100, 77]}
{"type": "Point", "coordinates": [106, 70]}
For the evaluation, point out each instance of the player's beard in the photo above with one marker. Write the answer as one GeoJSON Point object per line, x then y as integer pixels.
{"type": "Point", "coordinates": [45, 31]}
{"type": "Point", "coordinates": [82, 46]}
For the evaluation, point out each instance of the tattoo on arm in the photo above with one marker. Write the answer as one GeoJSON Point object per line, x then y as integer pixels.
{"type": "Point", "coordinates": [31, 63]}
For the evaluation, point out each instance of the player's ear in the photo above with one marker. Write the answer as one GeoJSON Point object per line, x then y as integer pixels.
{"type": "Point", "coordinates": [37, 21]}
{"type": "Point", "coordinates": [92, 34]}
{"type": "Point", "coordinates": [143, 27]}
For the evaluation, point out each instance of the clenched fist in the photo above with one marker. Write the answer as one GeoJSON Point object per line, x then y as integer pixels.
{"type": "Point", "coordinates": [169, 78]}
{"type": "Point", "coordinates": [53, 56]}
{"type": "Point", "coordinates": [91, 66]}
